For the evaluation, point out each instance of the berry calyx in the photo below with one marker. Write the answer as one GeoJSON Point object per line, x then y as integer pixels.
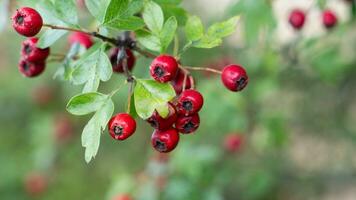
{"type": "Point", "coordinates": [30, 52]}
{"type": "Point", "coordinates": [164, 68]}
{"type": "Point", "coordinates": [297, 19]}
{"type": "Point", "coordinates": [189, 102]}
{"type": "Point", "coordinates": [165, 141]}
{"type": "Point", "coordinates": [234, 77]}
{"type": "Point", "coordinates": [329, 19]}
{"type": "Point", "coordinates": [83, 39]}
{"type": "Point", "coordinates": [118, 67]}
{"type": "Point", "coordinates": [160, 123]}
{"type": "Point", "coordinates": [27, 21]}
{"type": "Point", "coordinates": [187, 124]}
{"type": "Point", "coordinates": [121, 126]}
{"type": "Point", "coordinates": [178, 82]}
{"type": "Point", "coordinates": [233, 142]}
{"type": "Point", "coordinates": [31, 69]}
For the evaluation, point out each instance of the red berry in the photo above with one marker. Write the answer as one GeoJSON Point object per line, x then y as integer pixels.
{"type": "Point", "coordinates": [297, 19]}
{"type": "Point", "coordinates": [63, 128]}
{"type": "Point", "coordinates": [164, 68]}
{"type": "Point", "coordinates": [27, 21]}
{"type": "Point", "coordinates": [160, 123]}
{"type": "Point", "coordinates": [165, 141]}
{"type": "Point", "coordinates": [43, 95]}
{"type": "Point", "coordinates": [118, 67]}
{"type": "Point", "coordinates": [178, 82]}
{"type": "Point", "coordinates": [122, 197]}
{"type": "Point", "coordinates": [187, 124]}
{"type": "Point", "coordinates": [83, 39]}
{"type": "Point", "coordinates": [189, 102]}
{"type": "Point", "coordinates": [233, 142]}
{"type": "Point", "coordinates": [329, 19]}
{"type": "Point", "coordinates": [30, 52]}
{"type": "Point", "coordinates": [31, 69]}
{"type": "Point", "coordinates": [234, 77]}
{"type": "Point", "coordinates": [121, 126]}
{"type": "Point", "coordinates": [35, 184]}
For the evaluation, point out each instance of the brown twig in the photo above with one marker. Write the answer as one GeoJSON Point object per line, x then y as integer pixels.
{"type": "Point", "coordinates": [202, 69]}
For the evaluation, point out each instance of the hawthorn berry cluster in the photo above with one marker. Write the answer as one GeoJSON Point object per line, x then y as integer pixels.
{"type": "Point", "coordinates": [183, 109]}
{"type": "Point", "coordinates": [298, 17]}
{"type": "Point", "coordinates": [183, 114]}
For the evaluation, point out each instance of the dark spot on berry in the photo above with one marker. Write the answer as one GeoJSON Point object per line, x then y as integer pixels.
{"type": "Point", "coordinates": [20, 19]}
{"type": "Point", "coordinates": [153, 123]}
{"type": "Point", "coordinates": [241, 83]}
{"type": "Point", "coordinates": [27, 49]}
{"type": "Point", "coordinates": [187, 105]}
{"type": "Point", "coordinates": [118, 130]}
{"type": "Point", "coordinates": [159, 72]}
{"type": "Point", "coordinates": [25, 66]}
{"type": "Point", "coordinates": [189, 126]}
{"type": "Point", "coordinates": [160, 146]}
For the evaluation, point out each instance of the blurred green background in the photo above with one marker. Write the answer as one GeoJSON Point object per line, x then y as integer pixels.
{"type": "Point", "coordinates": [296, 117]}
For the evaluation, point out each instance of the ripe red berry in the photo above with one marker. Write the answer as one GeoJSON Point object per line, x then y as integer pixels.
{"type": "Point", "coordinates": [178, 82]}
{"type": "Point", "coordinates": [30, 52]}
{"type": "Point", "coordinates": [83, 39]}
{"type": "Point", "coordinates": [297, 19]}
{"type": "Point", "coordinates": [31, 69]}
{"type": "Point", "coordinates": [122, 197]}
{"type": "Point", "coordinates": [43, 95]}
{"type": "Point", "coordinates": [121, 126]}
{"type": "Point", "coordinates": [189, 102]}
{"type": "Point", "coordinates": [35, 184]}
{"type": "Point", "coordinates": [234, 77]}
{"type": "Point", "coordinates": [329, 19]}
{"type": "Point", "coordinates": [165, 141]}
{"type": "Point", "coordinates": [63, 128]}
{"type": "Point", "coordinates": [27, 21]}
{"type": "Point", "coordinates": [164, 68]}
{"type": "Point", "coordinates": [233, 142]}
{"type": "Point", "coordinates": [187, 124]}
{"type": "Point", "coordinates": [160, 123]}
{"type": "Point", "coordinates": [118, 67]}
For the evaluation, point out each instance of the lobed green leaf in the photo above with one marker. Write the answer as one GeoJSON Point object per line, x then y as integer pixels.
{"type": "Point", "coordinates": [153, 16]}
{"type": "Point", "coordinates": [86, 103]}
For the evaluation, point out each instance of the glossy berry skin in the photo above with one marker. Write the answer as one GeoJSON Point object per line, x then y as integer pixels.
{"type": "Point", "coordinates": [178, 82]}
{"type": "Point", "coordinates": [30, 52]}
{"type": "Point", "coordinates": [27, 21]}
{"type": "Point", "coordinates": [31, 69]}
{"type": "Point", "coordinates": [234, 77]}
{"type": "Point", "coordinates": [187, 124]}
{"type": "Point", "coordinates": [164, 68]}
{"type": "Point", "coordinates": [35, 184]}
{"type": "Point", "coordinates": [297, 19]}
{"type": "Point", "coordinates": [160, 123]}
{"type": "Point", "coordinates": [189, 102]}
{"type": "Point", "coordinates": [118, 67]}
{"type": "Point", "coordinates": [165, 141]}
{"type": "Point", "coordinates": [121, 126]}
{"type": "Point", "coordinates": [81, 38]}
{"type": "Point", "coordinates": [232, 143]}
{"type": "Point", "coordinates": [329, 19]}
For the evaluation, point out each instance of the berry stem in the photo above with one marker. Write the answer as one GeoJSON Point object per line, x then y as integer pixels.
{"type": "Point", "coordinates": [201, 69]}
{"type": "Point", "coordinates": [94, 34]}
{"type": "Point", "coordinates": [144, 53]}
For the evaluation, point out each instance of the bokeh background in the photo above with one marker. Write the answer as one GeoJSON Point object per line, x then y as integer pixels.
{"type": "Point", "coordinates": [294, 126]}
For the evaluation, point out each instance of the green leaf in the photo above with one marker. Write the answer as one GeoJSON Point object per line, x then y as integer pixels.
{"type": "Point", "coordinates": [92, 84]}
{"type": "Point", "coordinates": [86, 103]}
{"type": "Point", "coordinates": [148, 40]}
{"type": "Point", "coordinates": [97, 8]}
{"type": "Point", "coordinates": [207, 42]}
{"type": "Point", "coordinates": [179, 13]}
{"type": "Point", "coordinates": [223, 29]}
{"type": "Point", "coordinates": [134, 7]}
{"type": "Point", "coordinates": [64, 72]}
{"type": "Point", "coordinates": [66, 10]}
{"type": "Point", "coordinates": [168, 32]}
{"type": "Point", "coordinates": [153, 16]}
{"type": "Point", "coordinates": [194, 28]}
{"type": "Point", "coordinates": [150, 96]}
{"type": "Point", "coordinates": [115, 9]}
{"type": "Point", "coordinates": [50, 37]}
{"type": "Point", "coordinates": [4, 13]}
{"type": "Point", "coordinates": [94, 128]}
{"type": "Point", "coordinates": [126, 23]}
